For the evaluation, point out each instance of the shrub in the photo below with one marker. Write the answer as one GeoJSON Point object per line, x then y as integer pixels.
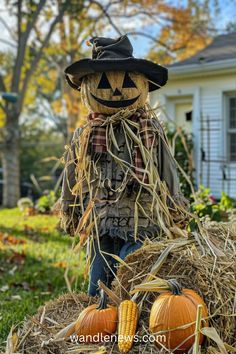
{"type": "Point", "coordinates": [183, 145]}
{"type": "Point", "coordinates": [207, 205]}
{"type": "Point", "coordinates": [46, 202]}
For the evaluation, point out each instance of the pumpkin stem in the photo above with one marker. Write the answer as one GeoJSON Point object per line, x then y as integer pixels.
{"type": "Point", "coordinates": [103, 301]}
{"type": "Point", "coordinates": [175, 287]}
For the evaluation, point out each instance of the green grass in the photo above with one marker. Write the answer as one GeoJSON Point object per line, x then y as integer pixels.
{"type": "Point", "coordinates": [33, 258]}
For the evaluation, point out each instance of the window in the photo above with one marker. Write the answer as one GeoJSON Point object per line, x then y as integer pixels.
{"type": "Point", "coordinates": [231, 115]}
{"type": "Point", "coordinates": [188, 116]}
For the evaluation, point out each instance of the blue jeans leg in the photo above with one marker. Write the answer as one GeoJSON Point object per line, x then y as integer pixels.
{"type": "Point", "coordinates": [103, 266]}
{"type": "Point", "coordinates": [129, 247]}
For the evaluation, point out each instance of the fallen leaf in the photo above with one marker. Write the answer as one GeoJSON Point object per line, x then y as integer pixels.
{"type": "Point", "coordinates": [17, 257]}
{"type": "Point", "coordinates": [61, 264]}
{"type": "Point", "coordinates": [44, 230]}
{"type": "Point", "coordinates": [28, 230]}
{"type": "Point", "coordinates": [50, 287]}
{"type": "Point", "coordinates": [30, 211]}
{"type": "Point", "coordinates": [8, 239]}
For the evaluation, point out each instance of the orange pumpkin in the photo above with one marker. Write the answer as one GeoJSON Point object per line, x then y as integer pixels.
{"type": "Point", "coordinates": [173, 309]}
{"type": "Point", "coordinates": [97, 321]}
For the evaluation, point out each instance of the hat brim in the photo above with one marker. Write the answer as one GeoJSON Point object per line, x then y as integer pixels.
{"type": "Point", "coordinates": [156, 74]}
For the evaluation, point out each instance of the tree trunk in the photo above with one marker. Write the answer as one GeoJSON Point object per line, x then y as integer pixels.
{"type": "Point", "coordinates": [10, 162]}
{"type": "Point", "coordinates": [11, 176]}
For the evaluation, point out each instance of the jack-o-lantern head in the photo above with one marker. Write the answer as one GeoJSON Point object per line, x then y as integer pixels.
{"type": "Point", "coordinates": [111, 91]}
{"type": "Point", "coordinates": [113, 79]}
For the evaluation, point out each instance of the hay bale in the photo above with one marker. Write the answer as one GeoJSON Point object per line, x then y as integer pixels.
{"type": "Point", "coordinates": [35, 334]}
{"type": "Point", "coordinates": [212, 277]}
{"type": "Point", "coordinates": [191, 262]}
{"type": "Point", "coordinates": [227, 228]}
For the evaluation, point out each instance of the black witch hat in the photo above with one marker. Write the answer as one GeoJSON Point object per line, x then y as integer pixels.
{"type": "Point", "coordinates": [115, 55]}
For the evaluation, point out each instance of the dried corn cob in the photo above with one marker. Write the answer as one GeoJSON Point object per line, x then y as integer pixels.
{"type": "Point", "coordinates": [128, 320]}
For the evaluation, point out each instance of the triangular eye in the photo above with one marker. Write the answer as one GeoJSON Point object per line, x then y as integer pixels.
{"type": "Point", "coordinates": [104, 83]}
{"type": "Point", "coordinates": [128, 82]}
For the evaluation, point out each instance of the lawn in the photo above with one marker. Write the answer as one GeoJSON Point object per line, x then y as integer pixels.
{"type": "Point", "coordinates": [33, 260]}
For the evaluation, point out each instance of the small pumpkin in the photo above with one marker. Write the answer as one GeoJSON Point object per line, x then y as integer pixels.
{"type": "Point", "coordinates": [97, 321]}
{"type": "Point", "coordinates": [112, 91]}
{"type": "Point", "coordinates": [176, 308]}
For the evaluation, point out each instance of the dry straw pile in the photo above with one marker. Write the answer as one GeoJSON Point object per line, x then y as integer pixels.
{"type": "Point", "coordinates": [205, 264]}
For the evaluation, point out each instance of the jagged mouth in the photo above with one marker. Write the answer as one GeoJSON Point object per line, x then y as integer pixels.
{"type": "Point", "coordinates": [115, 104]}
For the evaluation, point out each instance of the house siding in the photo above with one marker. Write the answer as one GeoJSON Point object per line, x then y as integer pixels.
{"type": "Point", "coordinates": [209, 127]}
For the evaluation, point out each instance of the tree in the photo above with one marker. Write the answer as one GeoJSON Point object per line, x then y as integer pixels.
{"type": "Point", "coordinates": [186, 31]}
{"type": "Point", "coordinates": [28, 53]}
{"type": "Point", "coordinates": [70, 45]}
{"type": "Point", "coordinates": [231, 27]}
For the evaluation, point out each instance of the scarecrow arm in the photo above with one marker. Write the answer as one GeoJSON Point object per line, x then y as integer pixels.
{"type": "Point", "coordinates": [70, 210]}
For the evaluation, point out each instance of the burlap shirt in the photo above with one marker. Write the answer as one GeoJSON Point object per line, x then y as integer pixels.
{"type": "Point", "coordinates": [116, 205]}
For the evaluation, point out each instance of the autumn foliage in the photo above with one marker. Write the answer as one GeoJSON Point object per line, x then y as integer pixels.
{"type": "Point", "coordinates": [186, 31]}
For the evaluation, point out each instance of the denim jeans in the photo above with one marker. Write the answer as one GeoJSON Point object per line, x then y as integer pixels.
{"type": "Point", "coordinates": [103, 267]}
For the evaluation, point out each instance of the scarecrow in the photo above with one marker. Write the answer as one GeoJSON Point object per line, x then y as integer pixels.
{"type": "Point", "coordinates": [120, 183]}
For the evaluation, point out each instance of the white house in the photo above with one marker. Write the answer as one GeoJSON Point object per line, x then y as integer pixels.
{"type": "Point", "coordinates": [201, 97]}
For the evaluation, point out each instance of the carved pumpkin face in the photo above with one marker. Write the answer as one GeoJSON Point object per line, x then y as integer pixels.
{"type": "Point", "coordinates": [112, 91]}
